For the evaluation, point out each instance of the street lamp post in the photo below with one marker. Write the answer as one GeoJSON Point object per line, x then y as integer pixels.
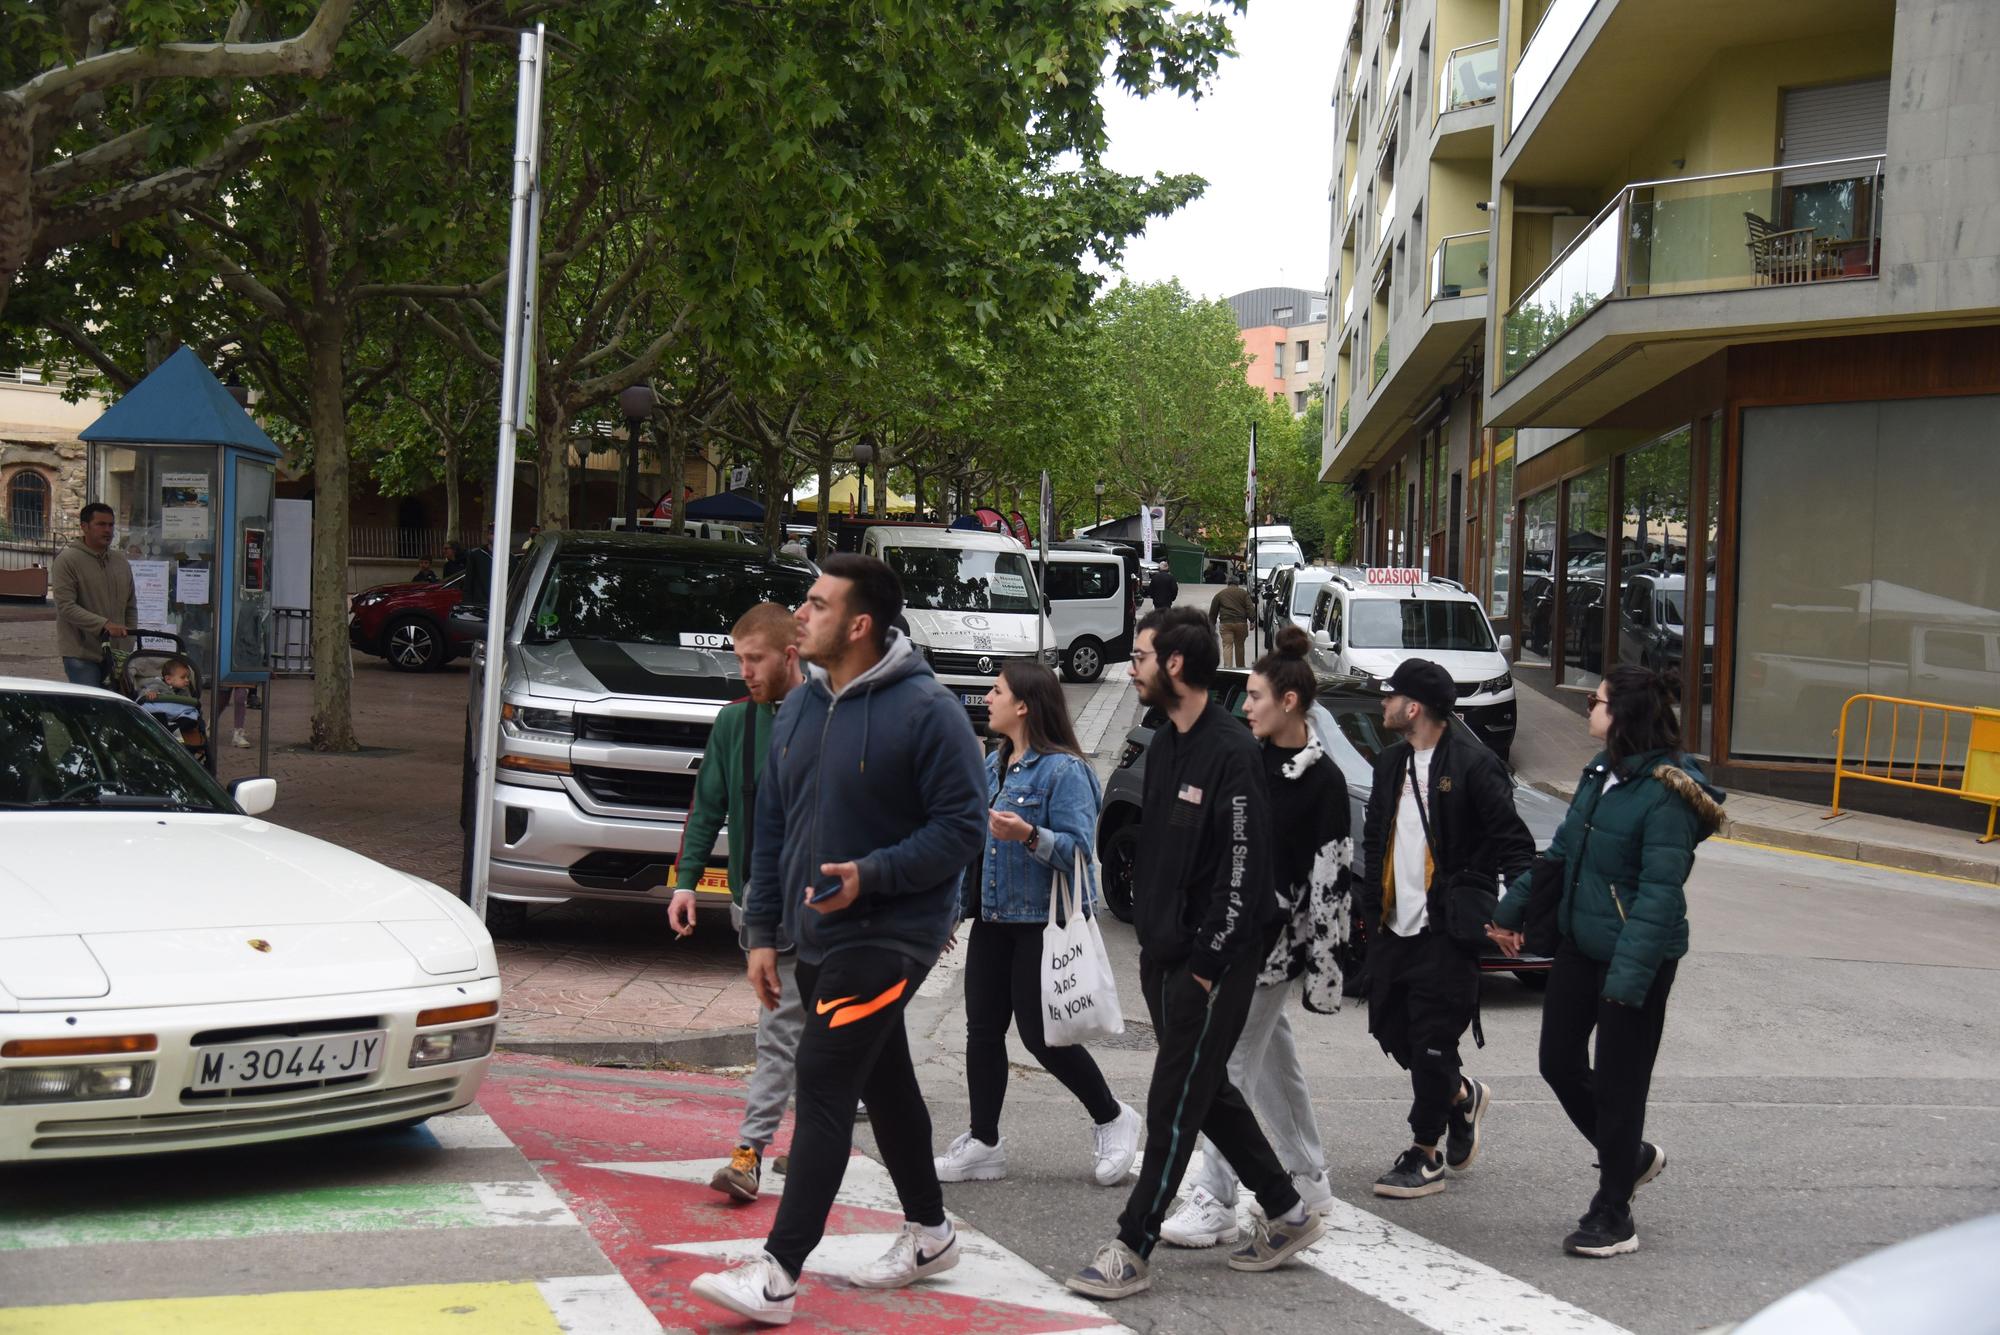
{"type": "Point", "coordinates": [636, 402]}
{"type": "Point", "coordinates": [1098, 490]}
{"type": "Point", "coordinates": [864, 454]}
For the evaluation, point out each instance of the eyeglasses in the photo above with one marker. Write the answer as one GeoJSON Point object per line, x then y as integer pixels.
{"type": "Point", "coordinates": [1595, 701]}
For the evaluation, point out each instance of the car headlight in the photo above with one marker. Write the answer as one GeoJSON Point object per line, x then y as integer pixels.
{"type": "Point", "coordinates": [1493, 686]}
{"type": "Point", "coordinates": [73, 1084]}
{"type": "Point", "coordinates": [370, 599]}
{"type": "Point", "coordinates": [1131, 753]}
{"type": "Point", "coordinates": [538, 721]}
{"type": "Point", "coordinates": [1051, 657]}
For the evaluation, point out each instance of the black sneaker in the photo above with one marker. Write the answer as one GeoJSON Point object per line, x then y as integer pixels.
{"type": "Point", "coordinates": [1606, 1231]}
{"type": "Point", "coordinates": [1461, 1137]}
{"type": "Point", "coordinates": [1652, 1159]}
{"type": "Point", "coordinates": [1416, 1174]}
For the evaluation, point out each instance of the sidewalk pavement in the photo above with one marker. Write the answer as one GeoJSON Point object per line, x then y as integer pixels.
{"type": "Point", "coordinates": [1551, 747]}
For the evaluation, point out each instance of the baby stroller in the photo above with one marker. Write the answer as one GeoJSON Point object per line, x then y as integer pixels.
{"type": "Point", "coordinates": [162, 680]}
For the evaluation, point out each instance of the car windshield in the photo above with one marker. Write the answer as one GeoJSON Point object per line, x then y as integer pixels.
{"type": "Point", "coordinates": [960, 579]}
{"type": "Point", "coordinates": [1303, 595]}
{"type": "Point", "coordinates": [1417, 623]}
{"type": "Point", "coordinates": [1271, 554]}
{"type": "Point", "coordinates": [655, 600]}
{"type": "Point", "coordinates": [1673, 607]}
{"type": "Point", "coordinates": [60, 751]}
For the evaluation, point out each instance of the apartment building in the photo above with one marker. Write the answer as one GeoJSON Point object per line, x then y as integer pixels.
{"type": "Point", "coordinates": [1714, 342]}
{"type": "Point", "coordinates": [1284, 331]}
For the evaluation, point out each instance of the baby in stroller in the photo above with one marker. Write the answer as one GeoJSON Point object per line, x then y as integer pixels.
{"type": "Point", "coordinates": [173, 699]}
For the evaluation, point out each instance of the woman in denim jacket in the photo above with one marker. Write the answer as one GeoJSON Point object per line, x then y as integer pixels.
{"type": "Point", "coordinates": [1044, 801]}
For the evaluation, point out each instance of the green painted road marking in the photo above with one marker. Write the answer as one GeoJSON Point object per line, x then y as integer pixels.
{"type": "Point", "coordinates": [318, 1210]}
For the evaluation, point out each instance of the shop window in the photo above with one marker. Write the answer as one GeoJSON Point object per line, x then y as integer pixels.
{"type": "Point", "coordinates": [1653, 567]}
{"type": "Point", "coordinates": [1503, 529]}
{"type": "Point", "coordinates": [1585, 556]}
{"type": "Point", "coordinates": [1537, 612]}
{"type": "Point", "coordinates": [1868, 563]}
{"type": "Point", "coordinates": [1696, 733]}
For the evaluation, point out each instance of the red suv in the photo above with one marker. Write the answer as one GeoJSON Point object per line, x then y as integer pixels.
{"type": "Point", "coordinates": [408, 624]}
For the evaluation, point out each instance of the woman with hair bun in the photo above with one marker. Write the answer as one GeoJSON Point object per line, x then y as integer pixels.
{"type": "Point", "coordinates": [1622, 856]}
{"type": "Point", "coordinates": [1310, 863]}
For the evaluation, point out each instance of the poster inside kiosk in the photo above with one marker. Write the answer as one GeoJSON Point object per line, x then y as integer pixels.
{"type": "Point", "coordinates": [1408, 576]}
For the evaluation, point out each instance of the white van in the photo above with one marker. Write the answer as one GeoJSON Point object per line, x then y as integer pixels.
{"type": "Point", "coordinates": [1365, 622]}
{"type": "Point", "coordinates": [1089, 606]}
{"type": "Point", "coordinates": [971, 601]}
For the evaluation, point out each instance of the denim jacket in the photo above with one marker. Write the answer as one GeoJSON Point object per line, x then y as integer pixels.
{"type": "Point", "coordinates": [1058, 795]}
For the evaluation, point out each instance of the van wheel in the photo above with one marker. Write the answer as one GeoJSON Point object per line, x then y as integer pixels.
{"type": "Point", "coordinates": [1120, 865]}
{"type": "Point", "coordinates": [1085, 662]}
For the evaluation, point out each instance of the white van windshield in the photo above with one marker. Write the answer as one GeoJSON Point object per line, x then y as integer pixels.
{"type": "Point", "coordinates": [954, 579]}
{"type": "Point", "coordinates": [1417, 623]}
{"type": "Point", "coordinates": [1277, 554]}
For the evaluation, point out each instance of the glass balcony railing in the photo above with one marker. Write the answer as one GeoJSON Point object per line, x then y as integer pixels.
{"type": "Point", "coordinates": [1346, 309]}
{"type": "Point", "coordinates": [1381, 360]}
{"type": "Point", "coordinates": [1385, 216]}
{"type": "Point", "coordinates": [1544, 51]}
{"type": "Point", "coordinates": [1470, 77]}
{"type": "Point", "coordinates": [1458, 266]}
{"type": "Point", "coordinates": [1353, 192]}
{"type": "Point", "coordinates": [1812, 222]}
{"type": "Point", "coordinates": [1389, 78]}
{"type": "Point", "coordinates": [1343, 419]}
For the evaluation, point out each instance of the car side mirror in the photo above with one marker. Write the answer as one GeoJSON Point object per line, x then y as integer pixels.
{"type": "Point", "coordinates": [1322, 639]}
{"type": "Point", "coordinates": [1507, 647]}
{"type": "Point", "coordinates": [254, 796]}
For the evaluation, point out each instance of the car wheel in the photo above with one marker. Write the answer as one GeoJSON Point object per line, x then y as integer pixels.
{"type": "Point", "coordinates": [1120, 864]}
{"type": "Point", "coordinates": [1535, 980]}
{"type": "Point", "coordinates": [506, 918]}
{"type": "Point", "coordinates": [1085, 662]}
{"type": "Point", "coordinates": [413, 644]}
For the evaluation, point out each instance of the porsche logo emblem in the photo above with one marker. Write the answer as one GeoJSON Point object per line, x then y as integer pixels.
{"type": "Point", "coordinates": [260, 945]}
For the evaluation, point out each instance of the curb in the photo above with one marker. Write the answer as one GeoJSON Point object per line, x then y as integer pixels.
{"type": "Point", "coordinates": [1896, 856]}
{"type": "Point", "coordinates": [714, 1047]}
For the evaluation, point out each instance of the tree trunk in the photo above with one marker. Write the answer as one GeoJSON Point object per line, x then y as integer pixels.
{"type": "Point", "coordinates": [771, 458]}
{"type": "Point", "coordinates": [825, 462]}
{"type": "Point", "coordinates": [454, 518]}
{"type": "Point", "coordinates": [333, 668]}
{"type": "Point", "coordinates": [881, 485]}
{"type": "Point", "coordinates": [552, 463]}
{"type": "Point", "coordinates": [677, 472]}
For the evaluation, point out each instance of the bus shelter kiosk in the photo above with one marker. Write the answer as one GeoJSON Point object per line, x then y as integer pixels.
{"type": "Point", "coordinates": [190, 478]}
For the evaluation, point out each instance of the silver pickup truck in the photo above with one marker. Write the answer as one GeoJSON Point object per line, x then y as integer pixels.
{"type": "Point", "coordinates": [617, 661]}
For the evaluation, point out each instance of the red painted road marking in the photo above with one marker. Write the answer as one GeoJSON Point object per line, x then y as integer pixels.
{"type": "Point", "coordinates": [617, 1146]}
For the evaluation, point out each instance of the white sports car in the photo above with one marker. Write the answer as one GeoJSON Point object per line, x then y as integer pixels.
{"type": "Point", "coordinates": [176, 973]}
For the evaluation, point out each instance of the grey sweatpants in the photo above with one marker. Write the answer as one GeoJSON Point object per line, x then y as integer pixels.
{"type": "Point", "coordinates": [1265, 1066]}
{"type": "Point", "coordinates": [777, 1048]}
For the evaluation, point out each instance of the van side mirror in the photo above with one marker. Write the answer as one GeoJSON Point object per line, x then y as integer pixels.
{"type": "Point", "coordinates": [1507, 647]}
{"type": "Point", "coordinates": [1322, 638]}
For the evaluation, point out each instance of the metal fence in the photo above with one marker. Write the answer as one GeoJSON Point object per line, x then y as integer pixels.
{"type": "Point", "coordinates": [403, 543]}
{"type": "Point", "coordinates": [291, 642]}
{"type": "Point", "coordinates": [27, 554]}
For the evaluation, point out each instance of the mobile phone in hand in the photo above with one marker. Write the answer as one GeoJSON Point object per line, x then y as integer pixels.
{"type": "Point", "coordinates": [825, 889]}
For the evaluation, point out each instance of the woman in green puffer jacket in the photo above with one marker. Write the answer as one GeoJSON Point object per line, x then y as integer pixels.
{"type": "Point", "coordinates": [1624, 854]}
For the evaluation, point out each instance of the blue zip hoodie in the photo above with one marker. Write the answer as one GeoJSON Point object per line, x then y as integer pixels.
{"type": "Point", "coordinates": [888, 775]}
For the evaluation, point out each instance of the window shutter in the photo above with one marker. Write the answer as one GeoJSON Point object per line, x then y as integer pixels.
{"type": "Point", "coordinates": [1843, 120]}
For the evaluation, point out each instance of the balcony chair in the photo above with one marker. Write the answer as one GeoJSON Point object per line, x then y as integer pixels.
{"type": "Point", "coordinates": [1780, 257]}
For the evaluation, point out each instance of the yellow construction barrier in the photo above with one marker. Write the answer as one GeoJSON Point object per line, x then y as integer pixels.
{"type": "Point", "coordinates": [1978, 781]}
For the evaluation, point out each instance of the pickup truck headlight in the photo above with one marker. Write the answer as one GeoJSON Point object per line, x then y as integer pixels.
{"type": "Point", "coordinates": [538, 721]}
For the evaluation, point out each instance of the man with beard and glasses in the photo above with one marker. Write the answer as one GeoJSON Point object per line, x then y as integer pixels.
{"type": "Point", "coordinates": [1442, 807]}
{"type": "Point", "coordinates": [872, 804]}
{"type": "Point", "coordinates": [1204, 905]}
{"type": "Point", "coordinates": [766, 639]}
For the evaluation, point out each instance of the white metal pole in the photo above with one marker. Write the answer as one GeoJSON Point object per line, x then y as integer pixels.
{"type": "Point", "coordinates": [527, 99]}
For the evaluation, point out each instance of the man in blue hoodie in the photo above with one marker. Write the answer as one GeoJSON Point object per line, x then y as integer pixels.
{"type": "Point", "coordinates": [872, 805]}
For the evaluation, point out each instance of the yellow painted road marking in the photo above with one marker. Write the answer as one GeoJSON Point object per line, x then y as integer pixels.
{"type": "Point", "coordinates": [422, 1309]}
{"type": "Point", "coordinates": [1852, 862]}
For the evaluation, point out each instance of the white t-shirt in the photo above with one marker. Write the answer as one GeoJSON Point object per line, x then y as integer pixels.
{"type": "Point", "coordinates": [1412, 907]}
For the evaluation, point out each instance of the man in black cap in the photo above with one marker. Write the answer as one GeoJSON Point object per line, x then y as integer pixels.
{"type": "Point", "coordinates": [1442, 807]}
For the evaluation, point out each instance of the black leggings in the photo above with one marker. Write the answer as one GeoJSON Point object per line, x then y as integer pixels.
{"type": "Point", "coordinates": [1606, 1099]}
{"type": "Point", "coordinates": [854, 1046]}
{"type": "Point", "coordinates": [1003, 984]}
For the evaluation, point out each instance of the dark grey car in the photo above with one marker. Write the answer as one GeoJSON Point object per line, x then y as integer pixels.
{"type": "Point", "coordinates": [1360, 737]}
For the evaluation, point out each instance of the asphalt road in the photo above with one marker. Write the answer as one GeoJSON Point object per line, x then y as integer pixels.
{"type": "Point", "coordinates": [1829, 1083]}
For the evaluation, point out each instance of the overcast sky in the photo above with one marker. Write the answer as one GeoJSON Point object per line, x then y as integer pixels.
{"type": "Point", "coordinates": [1263, 139]}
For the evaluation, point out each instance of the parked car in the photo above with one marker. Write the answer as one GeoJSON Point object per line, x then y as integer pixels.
{"type": "Point", "coordinates": [409, 624]}
{"type": "Point", "coordinates": [617, 661]}
{"type": "Point", "coordinates": [1090, 607]}
{"type": "Point", "coordinates": [1360, 737]}
{"type": "Point", "coordinates": [203, 977]}
{"type": "Point", "coordinates": [1942, 1283]}
{"type": "Point", "coordinates": [1650, 613]}
{"type": "Point", "coordinates": [1294, 594]}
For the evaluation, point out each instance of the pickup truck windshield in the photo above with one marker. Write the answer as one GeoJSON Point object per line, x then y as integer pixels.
{"type": "Point", "coordinates": [1417, 623]}
{"type": "Point", "coordinates": [955, 579]}
{"type": "Point", "coordinates": [654, 600]}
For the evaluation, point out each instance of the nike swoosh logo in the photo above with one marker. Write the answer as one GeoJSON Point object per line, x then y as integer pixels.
{"type": "Point", "coordinates": [822, 1007]}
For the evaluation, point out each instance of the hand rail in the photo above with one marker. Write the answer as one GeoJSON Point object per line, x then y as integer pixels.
{"type": "Point", "coordinates": [1982, 762]}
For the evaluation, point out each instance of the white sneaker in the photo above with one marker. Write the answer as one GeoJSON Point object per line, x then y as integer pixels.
{"type": "Point", "coordinates": [913, 1256]}
{"type": "Point", "coordinates": [1201, 1221]}
{"type": "Point", "coordinates": [237, 739]}
{"type": "Point", "coordinates": [969, 1159]}
{"type": "Point", "coordinates": [759, 1289]}
{"type": "Point", "coordinates": [1316, 1192]}
{"type": "Point", "coordinates": [1117, 1146]}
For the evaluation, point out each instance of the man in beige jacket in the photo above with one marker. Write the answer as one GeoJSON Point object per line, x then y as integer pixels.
{"type": "Point", "coordinates": [94, 596]}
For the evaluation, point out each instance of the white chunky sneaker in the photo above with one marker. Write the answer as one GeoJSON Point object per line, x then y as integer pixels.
{"type": "Point", "coordinates": [913, 1256]}
{"type": "Point", "coordinates": [1201, 1221]}
{"type": "Point", "coordinates": [759, 1289]}
{"type": "Point", "coordinates": [1316, 1192]}
{"type": "Point", "coordinates": [969, 1159]}
{"type": "Point", "coordinates": [1117, 1146]}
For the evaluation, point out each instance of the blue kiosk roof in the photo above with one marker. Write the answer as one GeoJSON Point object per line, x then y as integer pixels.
{"type": "Point", "coordinates": [181, 403]}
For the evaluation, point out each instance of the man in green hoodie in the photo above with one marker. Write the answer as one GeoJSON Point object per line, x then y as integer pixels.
{"type": "Point", "coordinates": [94, 596]}
{"type": "Point", "coordinates": [767, 648]}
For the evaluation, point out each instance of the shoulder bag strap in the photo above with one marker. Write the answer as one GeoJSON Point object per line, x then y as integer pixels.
{"type": "Point", "coordinates": [1423, 816]}
{"type": "Point", "coordinates": [749, 779]}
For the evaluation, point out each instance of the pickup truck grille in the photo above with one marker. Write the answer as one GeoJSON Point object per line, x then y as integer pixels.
{"type": "Point", "coordinates": [642, 731]}
{"type": "Point", "coordinates": [637, 787]}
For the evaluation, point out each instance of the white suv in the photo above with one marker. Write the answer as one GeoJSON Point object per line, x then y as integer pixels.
{"type": "Point", "coordinates": [1365, 622]}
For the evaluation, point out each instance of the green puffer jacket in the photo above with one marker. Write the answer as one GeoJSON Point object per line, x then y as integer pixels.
{"type": "Point", "coordinates": [1628, 853]}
